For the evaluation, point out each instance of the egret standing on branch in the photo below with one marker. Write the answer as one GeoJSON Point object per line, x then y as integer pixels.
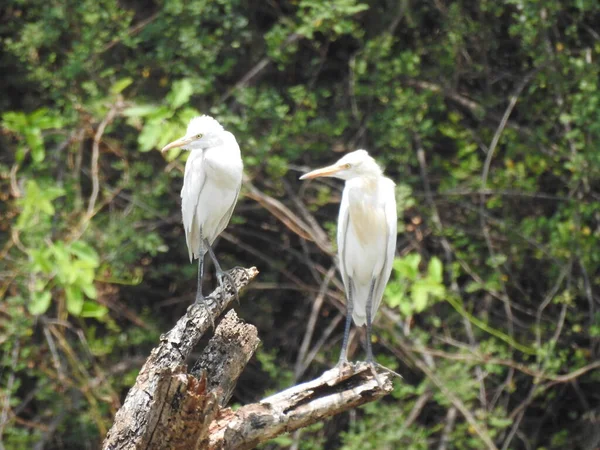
{"type": "Point", "coordinates": [366, 237]}
{"type": "Point", "coordinates": [211, 185]}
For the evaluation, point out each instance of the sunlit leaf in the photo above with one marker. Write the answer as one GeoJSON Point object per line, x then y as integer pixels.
{"type": "Point", "coordinates": [93, 309]}
{"type": "Point", "coordinates": [419, 296]}
{"type": "Point", "coordinates": [149, 136]}
{"type": "Point", "coordinates": [121, 85]}
{"type": "Point", "coordinates": [180, 93]}
{"type": "Point", "coordinates": [39, 302]}
{"type": "Point", "coordinates": [408, 266]}
{"type": "Point", "coordinates": [74, 300]}
{"type": "Point", "coordinates": [435, 270]}
{"type": "Point", "coordinates": [89, 289]}
{"type": "Point", "coordinates": [85, 252]}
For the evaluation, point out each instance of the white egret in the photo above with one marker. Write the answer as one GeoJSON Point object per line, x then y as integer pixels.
{"type": "Point", "coordinates": [366, 237]}
{"type": "Point", "coordinates": [211, 185]}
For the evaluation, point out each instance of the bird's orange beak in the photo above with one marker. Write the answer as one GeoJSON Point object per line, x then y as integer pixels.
{"type": "Point", "coordinates": [323, 172]}
{"type": "Point", "coordinates": [178, 143]}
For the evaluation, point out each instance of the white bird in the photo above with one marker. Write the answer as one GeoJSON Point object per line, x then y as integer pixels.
{"type": "Point", "coordinates": [211, 185]}
{"type": "Point", "coordinates": [366, 237]}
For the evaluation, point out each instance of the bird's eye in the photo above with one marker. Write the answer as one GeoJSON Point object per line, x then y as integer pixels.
{"type": "Point", "coordinates": [347, 165]}
{"type": "Point", "coordinates": [199, 136]}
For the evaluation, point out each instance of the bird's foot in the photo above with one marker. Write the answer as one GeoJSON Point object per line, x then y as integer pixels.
{"type": "Point", "coordinates": [221, 275]}
{"type": "Point", "coordinates": [343, 363]}
{"type": "Point", "coordinates": [342, 366]}
{"type": "Point", "coordinates": [202, 302]}
{"type": "Point", "coordinates": [373, 366]}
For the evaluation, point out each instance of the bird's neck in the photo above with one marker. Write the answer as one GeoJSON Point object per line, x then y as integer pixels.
{"type": "Point", "coordinates": [367, 182]}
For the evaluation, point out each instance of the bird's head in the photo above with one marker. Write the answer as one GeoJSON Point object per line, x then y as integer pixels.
{"type": "Point", "coordinates": [202, 132]}
{"type": "Point", "coordinates": [355, 164]}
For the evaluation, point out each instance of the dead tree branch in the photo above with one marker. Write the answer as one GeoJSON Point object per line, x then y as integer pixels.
{"type": "Point", "coordinates": [169, 408]}
{"type": "Point", "coordinates": [163, 379]}
{"type": "Point", "coordinates": [302, 405]}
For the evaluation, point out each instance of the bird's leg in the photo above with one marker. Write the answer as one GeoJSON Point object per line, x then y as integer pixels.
{"type": "Point", "coordinates": [220, 272]}
{"type": "Point", "coordinates": [200, 300]}
{"type": "Point", "coordinates": [370, 322]}
{"type": "Point", "coordinates": [199, 296]}
{"type": "Point", "coordinates": [350, 308]}
{"type": "Point", "coordinates": [370, 359]}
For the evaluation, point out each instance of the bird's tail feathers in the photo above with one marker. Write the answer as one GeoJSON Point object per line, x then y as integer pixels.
{"type": "Point", "coordinates": [194, 242]}
{"type": "Point", "coordinates": [359, 314]}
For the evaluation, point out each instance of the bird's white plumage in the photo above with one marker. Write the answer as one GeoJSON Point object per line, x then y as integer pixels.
{"type": "Point", "coordinates": [211, 183]}
{"type": "Point", "coordinates": [366, 234]}
{"type": "Point", "coordinates": [367, 240]}
{"type": "Point", "coordinates": [203, 124]}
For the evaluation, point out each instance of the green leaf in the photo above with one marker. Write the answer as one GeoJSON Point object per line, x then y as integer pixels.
{"type": "Point", "coordinates": [473, 286]}
{"type": "Point", "coordinates": [74, 298]}
{"type": "Point", "coordinates": [34, 140]}
{"type": "Point", "coordinates": [435, 270]}
{"type": "Point", "coordinates": [121, 85]}
{"type": "Point", "coordinates": [93, 309]}
{"type": "Point", "coordinates": [395, 299]}
{"type": "Point", "coordinates": [149, 136]}
{"type": "Point", "coordinates": [89, 290]}
{"type": "Point", "coordinates": [85, 252]}
{"type": "Point", "coordinates": [41, 260]}
{"type": "Point", "coordinates": [46, 207]}
{"type": "Point", "coordinates": [180, 93]}
{"type": "Point", "coordinates": [419, 296]}
{"type": "Point", "coordinates": [408, 267]}
{"type": "Point", "coordinates": [40, 302]}
{"type": "Point", "coordinates": [14, 121]}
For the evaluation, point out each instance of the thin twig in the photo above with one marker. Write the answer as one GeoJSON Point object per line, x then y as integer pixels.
{"type": "Point", "coordinates": [310, 327]}
{"type": "Point", "coordinates": [450, 419]}
{"type": "Point", "coordinates": [95, 156]}
{"type": "Point", "coordinates": [9, 386]}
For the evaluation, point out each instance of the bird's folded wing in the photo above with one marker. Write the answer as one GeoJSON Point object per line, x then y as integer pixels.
{"type": "Point", "coordinates": [391, 217]}
{"type": "Point", "coordinates": [193, 183]}
{"type": "Point", "coordinates": [342, 236]}
{"type": "Point", "coordinates": [225, 219]}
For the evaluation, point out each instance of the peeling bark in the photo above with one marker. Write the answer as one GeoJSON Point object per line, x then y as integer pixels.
{"type": "Point", "coordinates": [332, 393]}
{"type": "Point", "coordinates": [142, 418]}
{"type": "Point", "coordinates": [169, 408]}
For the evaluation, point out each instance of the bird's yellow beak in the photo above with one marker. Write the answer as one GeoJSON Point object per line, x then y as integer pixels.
{"type": "Point", "coordinates": [179, 143]}
{"type": "Point", "coordinates": [323, 172]}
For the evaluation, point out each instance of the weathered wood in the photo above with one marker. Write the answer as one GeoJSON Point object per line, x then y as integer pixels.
{"type": "Point", "coordinates": [192, 401]}
{"type": "Point", "coordinates": [333, 392]}
{"type": "Point", "coordinates": [226, 356]}
{"type": "Point", "coordinates": [168, 408]}
{"type": "Point", "coordinates": [163, 375]}
{"type": "Point", "coordinates": [185, 408]}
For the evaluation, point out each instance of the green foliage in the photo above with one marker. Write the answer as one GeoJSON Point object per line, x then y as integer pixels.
{"type": "Point", "coordinates": [163, 123]}
{"type": "Point", "coordinates": [70, 268]}
{"type": "Point", "coordinates": [411, 291]}
{"type": "Point", "coordinates": [494, 288]}
{"type": "Point", "coordinates": [29, 127]}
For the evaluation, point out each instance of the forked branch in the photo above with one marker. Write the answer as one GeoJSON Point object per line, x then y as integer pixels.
{"type": "Point", "coordinates": [169, 408]}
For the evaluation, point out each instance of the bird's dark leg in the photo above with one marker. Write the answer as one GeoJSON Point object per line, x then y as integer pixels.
{"type": "Point", "coordinates": [370, 322]}
{"type": "Point", "coordinates": [199, 296]}
{"type": "Point", "coordinates": [370, 359]}
{"type": "Point", "coordinates": [200, 300]}
{"type": "Point", "coordinates": [220, 272]}
{"type": "Point", "coordinates": [350, 308]}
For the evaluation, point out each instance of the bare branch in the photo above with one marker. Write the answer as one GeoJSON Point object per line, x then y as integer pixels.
{"type": "Point", "coordinates": [333, 392]}
{"type": "Point", "coordinates": [168, 408]}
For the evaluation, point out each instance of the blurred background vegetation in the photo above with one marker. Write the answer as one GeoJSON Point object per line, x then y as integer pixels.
{"type": "Point", "coordinates": [486, 114]}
